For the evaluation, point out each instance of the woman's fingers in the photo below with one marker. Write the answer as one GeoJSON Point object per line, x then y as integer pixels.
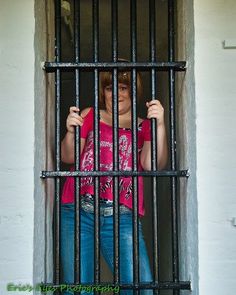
{"type": "Point", "coordinates": [74, 114]}
{"type": "Point", "coordinates": [155, 110]}
{"type": "Point", "coordinates": [74, 119]}
{"type": "Point", "coordinates": [153, 114]}
{"type": "Point", "coordinates": [153, 102]}
{"type": "Point", "coordinates": [74, 109]}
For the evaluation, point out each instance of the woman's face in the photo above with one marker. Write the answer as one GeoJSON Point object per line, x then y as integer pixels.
{"type": "Point", "coordinates": [123, 98]}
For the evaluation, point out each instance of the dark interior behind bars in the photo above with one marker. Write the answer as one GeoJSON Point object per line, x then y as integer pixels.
{"type": "Point", "coordinates": [143, 33]}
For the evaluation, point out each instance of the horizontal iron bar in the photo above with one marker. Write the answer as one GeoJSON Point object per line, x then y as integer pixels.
{"type": "Point", "coordinates": [183, 285]}
{"type": "Point", "coordinates": [89, 66]}
{"type": "Point", "coordinates": [163, 173]}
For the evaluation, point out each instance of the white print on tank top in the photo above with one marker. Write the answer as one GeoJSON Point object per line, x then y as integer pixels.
{"type": "Point", "coordinates": [106, 158]}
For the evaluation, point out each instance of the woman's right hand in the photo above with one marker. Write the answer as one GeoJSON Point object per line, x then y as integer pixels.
{"type": "Point", "coordinates": [73, 119]}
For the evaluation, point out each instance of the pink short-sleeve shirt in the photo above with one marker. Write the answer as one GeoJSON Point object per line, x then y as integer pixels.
{"type": "Point", "coordinates": [106, 159]}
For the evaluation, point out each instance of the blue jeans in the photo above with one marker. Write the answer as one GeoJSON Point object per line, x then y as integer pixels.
{"type": "Point", "coordinates": [106, 246]}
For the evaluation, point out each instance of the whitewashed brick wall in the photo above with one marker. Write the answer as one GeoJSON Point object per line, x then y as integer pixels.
{"type": "Point", "coordinates": [215, 82]}
{"type": "Point", "coordinates": [17, 142]}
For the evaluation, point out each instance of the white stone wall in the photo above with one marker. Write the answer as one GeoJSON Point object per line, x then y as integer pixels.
{"type": "Point", "coordinates": [17, 142]}
{"type": "Point", "coordinates": [209, 235]}
{"type": "Point", "coordinates": [215, 82]}
{"type": "Point", "coordinates": [186, 147]}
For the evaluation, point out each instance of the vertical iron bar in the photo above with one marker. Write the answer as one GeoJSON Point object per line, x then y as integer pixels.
{"type": "Point", "coordinates": [77, 143]}
{"type": "Point", "coordinates": [133, 26]}
{"type": "Point", "coordinates": [115, 123]}
{"type": "Point", "coordinates": [152, 23]}
{"type": "Point", "coordinates": [57, 143]}
{"type": "Point", "coordinates": [96, 141]}
{"type": "Point", "coordinates": [171, 55]}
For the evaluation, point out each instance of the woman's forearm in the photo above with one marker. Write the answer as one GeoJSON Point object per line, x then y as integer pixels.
{"type": "Point", "coordinates": [162, 147]}
{"type": "Point", "coordinates": [67, 148]}
{"type": "Point", "coordinates": [162, 150]}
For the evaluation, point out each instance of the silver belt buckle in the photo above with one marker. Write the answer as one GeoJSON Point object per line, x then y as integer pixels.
{"type": "Point", "coordinates": [87, 207]}
{"type": "Point", "coordinates": [107, 211]}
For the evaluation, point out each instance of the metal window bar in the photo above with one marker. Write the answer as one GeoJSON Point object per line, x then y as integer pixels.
{"type": "Point", "coordinates": [171, 66]}
{"type": "Point", "coordinates": [57, 214]}
{"type": "Point", "coordinates": [174, 201]}
{"type": "Point", "coordinates": [115, 123]}
{"type": "Point", "coordinates": [133, 28]}
{"type": "Point", "coordinates": [152, 24]}
{"type": "Point", "coordinates": [77, 144]}
{"type": "Point", "coordinates": [96, 144]}
{"type": "Point", "coordinates": [88, 66]}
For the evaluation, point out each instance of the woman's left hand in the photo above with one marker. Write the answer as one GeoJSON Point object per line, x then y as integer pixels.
{"type": "Point", "coordinates": [155, 110]}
